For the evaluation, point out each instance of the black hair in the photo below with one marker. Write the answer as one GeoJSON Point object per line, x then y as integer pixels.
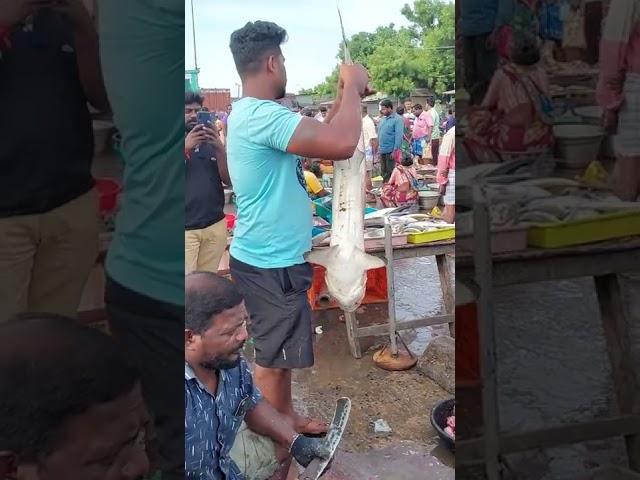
{"type": "Point", "coordinates": [322, 108]}
{"type": "Point", "coordinates": [253, 42]}
{"type": "Point", "coordinates": [407, 161]}
{"type": "Point", "coordinates": [400, 110]}
{"type": "Point", "coordinates": [450, 112]}
{"type": "Point", "coordinates": [53, 369]}
{"type": "Point", "coordinates": [386, 103]}
{"type": "Point", "coordinates": [193, 97]}
{"type": "Point", "coordinates": [203, 303]}
{"type": "Point", "coordinates": [316, 170]}
{"type": "Point", "coordinates": [417, 106]}
{"type": "Point", "coordinates": [431, 101]}
{"type": "Point", "coordinates": [525, 49]}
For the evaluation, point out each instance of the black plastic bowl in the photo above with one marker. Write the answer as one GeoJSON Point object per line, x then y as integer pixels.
{"type": "Point", "coordinates": [439, 415]}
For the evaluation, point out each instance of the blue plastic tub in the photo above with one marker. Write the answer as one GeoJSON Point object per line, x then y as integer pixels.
{"type": "Point", "coordinates": [323, 208]}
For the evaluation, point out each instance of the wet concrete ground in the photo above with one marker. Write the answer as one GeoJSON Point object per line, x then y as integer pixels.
{"type": "Point", "coordinates": [553, 369]}
{"type": "Point", "coordinates": [403, 399]}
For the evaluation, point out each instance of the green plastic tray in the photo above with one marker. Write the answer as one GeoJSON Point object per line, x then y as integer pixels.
{"type": "Point", "coordinates": [589, 230]}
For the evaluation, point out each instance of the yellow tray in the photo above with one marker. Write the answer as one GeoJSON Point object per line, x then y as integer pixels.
{"type": "Point", "coordinates": [434, 236]}
{"type": "Point", "coordinates": [589, 230]}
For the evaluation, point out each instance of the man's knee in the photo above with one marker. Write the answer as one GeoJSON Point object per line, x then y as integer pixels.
{"type": "Point", "coordinates": [256, 456]}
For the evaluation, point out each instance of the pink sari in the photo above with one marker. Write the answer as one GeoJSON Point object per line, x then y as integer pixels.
{"type": "Point", "coordinates": [492, 129]}
{"type": "Point", "coordinates": [400, 189]}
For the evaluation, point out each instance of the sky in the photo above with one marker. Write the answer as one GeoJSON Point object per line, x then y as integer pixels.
{"type": "Point", "coordinates": [313, 29]}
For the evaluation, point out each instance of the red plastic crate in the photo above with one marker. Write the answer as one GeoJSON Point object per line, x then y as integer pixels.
{"type": "Point", "coordinates": [467, 346]}
{"type": "Point", "coordinates": [376, 290]}
{"type": "Point", "coordinates": [108, 192]}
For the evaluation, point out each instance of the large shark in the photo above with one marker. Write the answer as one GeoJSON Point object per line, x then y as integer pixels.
{"type": "Point", "coordinates": [345, 260]}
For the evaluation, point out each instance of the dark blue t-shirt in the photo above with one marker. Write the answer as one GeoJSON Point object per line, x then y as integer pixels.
{"type": "Point", "coordinates": [46, 136]}
{"type": "Point", "coordinates": [203, 194]}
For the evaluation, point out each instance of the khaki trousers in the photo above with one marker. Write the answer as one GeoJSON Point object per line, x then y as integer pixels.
{"type": "Point", "coordinates": [254, 454]}
{"type": "Point", "coordinates": [45, 259]}
{"type": "Point", "coordinates": [204, 248]}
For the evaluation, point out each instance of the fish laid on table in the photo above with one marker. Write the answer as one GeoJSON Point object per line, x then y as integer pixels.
{"type": "Point", "coordinates": [345, 260]}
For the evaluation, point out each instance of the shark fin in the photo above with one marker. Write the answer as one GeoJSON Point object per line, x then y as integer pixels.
{"type": "Point", "coordinates": [369, 262]}
{"type": "Point", "coordinates": [322, 256]}
{"type": "Point", "coordinates": [328, 256]}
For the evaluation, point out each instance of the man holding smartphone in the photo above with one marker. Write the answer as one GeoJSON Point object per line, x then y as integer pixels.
{"type": "Point", "coordinates": [205, 237]}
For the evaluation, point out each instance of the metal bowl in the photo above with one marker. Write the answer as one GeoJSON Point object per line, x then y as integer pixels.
{"type": "Point", "coordinates": [428, 199]}
{"type": "Point", "coordinates": [439, 415]}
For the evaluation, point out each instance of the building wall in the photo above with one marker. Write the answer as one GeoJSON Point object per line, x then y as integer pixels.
{"type": "Point", "coordinates": [216, 99]}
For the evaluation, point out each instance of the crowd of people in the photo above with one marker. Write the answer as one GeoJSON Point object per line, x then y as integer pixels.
{"type": "Point", "coordinates": [274, 158]}
{"type": "Point", "coordinates": [509, 48]}
{"type": "Point", "coordinates": [394, 143]}
{"type": "Point", "coordinates": [119, 407]}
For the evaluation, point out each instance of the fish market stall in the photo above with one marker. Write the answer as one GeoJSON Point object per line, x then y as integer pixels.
{"type": "Point", "coordinates": [570, 232]}
{"type": "Point", "coordinates": [395, 234]}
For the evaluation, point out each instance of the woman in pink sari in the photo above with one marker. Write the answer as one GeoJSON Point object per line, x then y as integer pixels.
{"type": "Point", "coordinates": [619, 93]}
{"type": "Point", "coordinates": [516, 115]}
{"type": "Point", "coordinates": [402, 187]}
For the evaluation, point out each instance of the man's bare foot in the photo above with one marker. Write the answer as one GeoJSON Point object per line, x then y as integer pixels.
{"type": "Point", "coordinates": [309, 426]}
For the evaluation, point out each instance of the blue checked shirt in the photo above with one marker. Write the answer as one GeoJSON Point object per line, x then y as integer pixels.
{"type": "Point", "coordinates": [211, 424]}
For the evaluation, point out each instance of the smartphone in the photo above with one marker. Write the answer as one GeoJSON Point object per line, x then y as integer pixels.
{"type": "Point", "coordinates": [205, 118]}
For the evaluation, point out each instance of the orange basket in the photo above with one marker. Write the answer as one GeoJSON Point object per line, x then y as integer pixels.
{"type": "Point", "coordinates": [376, 290]}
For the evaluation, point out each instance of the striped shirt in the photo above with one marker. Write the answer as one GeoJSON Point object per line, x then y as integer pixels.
{"type": "Point", "coordinates": [619, 51]}
{"type": "Point", "coordinates": [447, 156]}
{"type": "Point", "coordinates": [211, 423]}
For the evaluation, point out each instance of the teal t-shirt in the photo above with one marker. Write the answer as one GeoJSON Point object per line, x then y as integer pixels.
{"type": "Point", "coordinates": [142, 53]}
{"type": "Point", "coordinates": [435, 133]}
{"type": "Point", "coordinates": [274, 221]}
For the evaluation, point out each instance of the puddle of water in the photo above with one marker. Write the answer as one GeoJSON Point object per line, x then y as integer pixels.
{"type": "Point", "coordinates": [540, 354]}
{"type": "Point", "coordinates": [418, 295]}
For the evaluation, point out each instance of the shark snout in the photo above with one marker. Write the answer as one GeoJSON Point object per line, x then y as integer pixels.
{"type": "Point", "coordinates": [347, 292]}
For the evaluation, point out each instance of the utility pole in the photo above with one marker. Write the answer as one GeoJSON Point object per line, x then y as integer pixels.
{"type": "Point", "coordinates": [193, 29]}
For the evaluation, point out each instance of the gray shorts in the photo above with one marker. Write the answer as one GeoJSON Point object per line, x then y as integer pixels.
{"type": "Point", "coordinates": [280, 314]}
{"type": "Point", "coordinates": [254, 454]}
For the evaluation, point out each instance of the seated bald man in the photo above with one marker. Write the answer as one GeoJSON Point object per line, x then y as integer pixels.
{"type": "Point", "coordinates": [231, 432]}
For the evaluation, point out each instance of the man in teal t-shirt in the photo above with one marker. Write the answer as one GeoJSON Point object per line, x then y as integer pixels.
{"type": "Point", "coordinates": [142, 55]}
{"type": "Point", "coordinates": [273, 230]}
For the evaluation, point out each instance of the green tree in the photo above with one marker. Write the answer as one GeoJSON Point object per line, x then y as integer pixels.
{"type": "Point", "coordinates": [393, 66]}
{"type": "Point", "coordinates": [399, 60]}
{"type": "Point", "coordinates": [433, 22]}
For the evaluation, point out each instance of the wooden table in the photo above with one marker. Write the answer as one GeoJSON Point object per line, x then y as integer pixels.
{"type": "Point", "coordinates": [604, 262]}
{"type": "Point", "coordinates": [442, 251]}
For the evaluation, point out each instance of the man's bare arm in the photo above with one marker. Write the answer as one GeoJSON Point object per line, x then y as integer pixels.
{"type": "Point", "coordinates": [87, 53]}
{"type": "Point", "coordinates": [265, 420]}
{"type": "Point", "coordinates": [338, 138]}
